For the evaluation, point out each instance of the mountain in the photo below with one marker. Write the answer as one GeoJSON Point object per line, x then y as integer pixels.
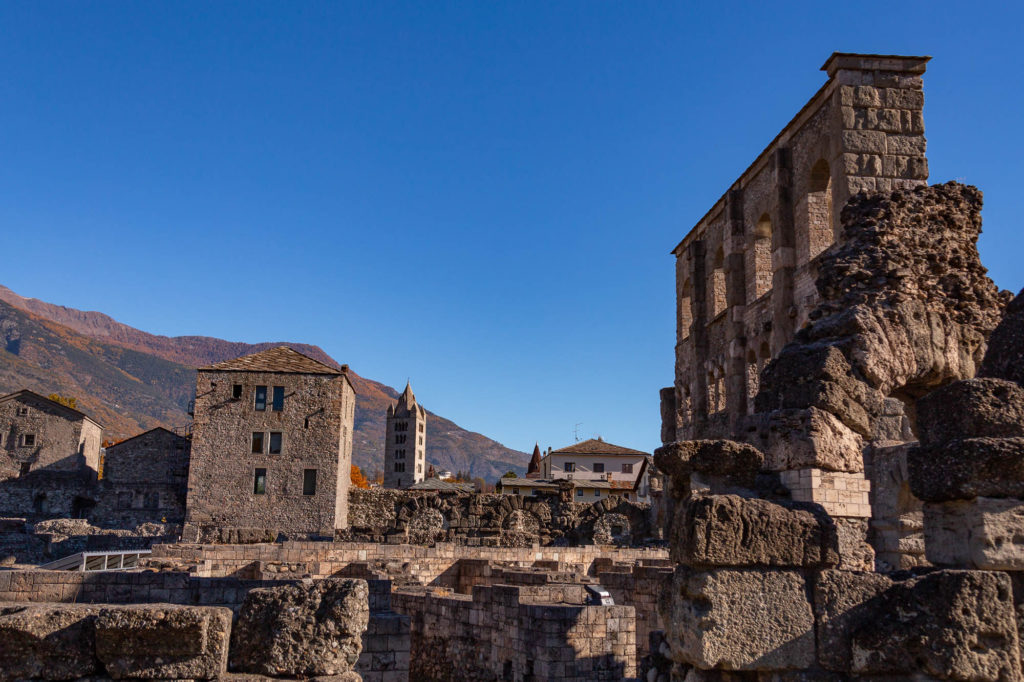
{"type": "Point", "coordinates": [131, 381]}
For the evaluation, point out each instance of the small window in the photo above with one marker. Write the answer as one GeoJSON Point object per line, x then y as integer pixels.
{"type": "Point", "coordinates": [627, 468]}
{"type": "Point", "coordinates": [399, 467]}
{"type": "Point", "coordinates": [579, 492]}
{"type": "Point", "coordinates": [236, 392]}
{"type": "Point", "coordinates": [277, 403]}
{"type": "Point", "coordinates": [421, 440]}
{"type": "Point", "coordinates": [569, 467]}
{"type": "Point", "coordinates": [421, 428]}
{"type": "Point", "coordinates": [25, 468]}
{"type": "Point", "coordinates": [400, 438]}
{"type": "Point", "coordinates": [419, 468]}
{"type": "Point", "coordinates": [597, 493]}
{"type": "Point", "coordinates": [22, 411]}
{"type": "Point", "coordinates": [305, 425]}
{"type": "Point", "coordinates": [515, 491]}
{"type": "Point", "coordinates": [261, 398]}
{"type": "Point", "coordinates": [598, 467]}
{"type": "Point", "coordinates": [275, 442]}
{"type": "Point", "coordinates": [257, 442]}
{"type": "Point", "coordinates": [124, 500]}
{"type": "Point", "coordinates": [259, 483]}
{"type": "Point", "coordinates": [309, 481]}
{"type": "Point", "coordinates": [29, 440]}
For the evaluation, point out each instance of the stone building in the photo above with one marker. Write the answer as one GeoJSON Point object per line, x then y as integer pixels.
{"type": "Point", "coordinates": [745, 273]}
{"type": "Point", "coordinates": [271, 446]}
{"type": "Point", "coordinates": [145, 478]}
{"type": "Point", "coordinates": [594, 460]}
{"type": "Point", "coordinates": [405, 442]}
{"type": "Point", "coordinates": [40, 435]}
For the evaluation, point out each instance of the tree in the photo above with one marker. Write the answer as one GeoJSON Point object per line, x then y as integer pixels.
{"type": "Point", "coordinates": [509, 474]}
{"type": "Point", "coordinates": [66, 401]}
{"type": "Point", "coordinates": [358, 480]}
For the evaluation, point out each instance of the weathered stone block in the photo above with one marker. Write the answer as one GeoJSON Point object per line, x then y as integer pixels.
{"type": "Point", "coordinates": [967, 468]}
{"type": "Point", "coordinates": [860, 96]}
{"type": "Point", "coordinates": [313, 628]}
{"type": "Point", "coordinates": [983, 533]}
{"type": "Point", "coordinates": [163, 641]}
{"type": "Point", "coordinates": [907, 145]}
{"type": "Point", "coordinates": [47, 641]}
{"type": "Point", "coordinates": [841, 604]}
{"type": "Point", "coordinates": [729, 530]}
{"type": "Point", "coordinates": [900, 98]}
{"type": "Point", "coordinates": [726, 461]}
{"type": "Point", "coordinates": [971, 408]}
{"type": "Point", "coordinates": [799, 439]}
{"type": "Point", "coordinates": [869, 141]}
{"type": "Point", "coordinates": [739, 619]}
{"type": "Point", "coordinates": [1004, 357]}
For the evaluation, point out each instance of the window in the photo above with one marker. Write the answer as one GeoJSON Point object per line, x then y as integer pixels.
{"type": "Point", "coordinates": [29, 440]}
{"type": "Point", "coordinates": [515, 491]}
{"type": "Point", "coordinates": [22, 411]}
{"type": "Point", "coordinates": [401, 426]}
{"type": "Point", "coordinates": [597, 493]}
{"type": "Point", "coordinates": [1, 440]}
{"type": "Point", "coordinates": [400, 454]}
{"type": "Point", "coordinates": [419, 468]}
{"type": "Point", "coordinates": [277, 403]}
{"type": "Point", "coordinates": [275, 442]}
{"type": "Point", "coordinates": [236, 392]}
{"type": "Point", "coordinates": [400, 438]}
{"type": "Point", "coordinates": [124, 500]}
{"type": "Point", "coordinates": [306, 424]}
{"type": "Point", "coordinates": [261, 398]}
{"type": "Point", "coordinates": [598, 467]}
{"type": "Point", "coordinates": [569, 467]}
{"type": "Point", "coordinates": [579, 492]}
{"type": "Point", "coordinates": [627, 468]}
{"type": "Point", "coordinates": [257, 442]}
{"type": "Point", "coordinates": [399, 467]}
{"type": "Point", "coordinates": [421, 440]}
{"type": "Point", "coordinates": [309, 481]}
{"type": "Point", "coordinates": [421, 428]}
{"type": "Point", "coordinates": [259, 483]}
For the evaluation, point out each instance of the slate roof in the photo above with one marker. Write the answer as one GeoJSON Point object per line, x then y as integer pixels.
{"type": "Point", "coordinates": [576, 483]}
{"type": "Point", "coordinates": [146, 433]}
{"type": "Point", "coordinates": [280, 360]}
{"type": "Point", "coordinates": [443, 486]}
{"type": "Point", "coordinates": [595, 446]}
{"type": "Point", "coordinates": [68, 411]}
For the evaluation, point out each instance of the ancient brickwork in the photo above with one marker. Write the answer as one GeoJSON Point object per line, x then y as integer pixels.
{"type": "Point", "coordinates": [271, 446]}
{"type": "Point", "coordinates": [38, 435]}
{"type": "Point", "coordinates": [745, 274]}
{"type": "Point", "coordinates": [507, 632]}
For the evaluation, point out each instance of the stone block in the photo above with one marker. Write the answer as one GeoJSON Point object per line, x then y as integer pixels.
{"type": "Point", "coordinates": [860, 96]}
{"type": "Point", "coordinates": [971, 408]}
{"type": "Point", "coordinates": [311, 628]}
{"type": "Point", "coordinates": [866, 141]}
{"type": "Point", "coordinates": [736, 619]}
{"type": "Point", "coordinates": [983, 533]}
{"type": "Point", "coordinates": [967, 468]}
{"type": "Point", "coordinates": [907, 145]}
{"type": "Point", "coordinates": [953, 625]}
{"type": "Point", "coordinates": [811, 437]}
{"type": "Point", "coordinates": [900, 98]}
{"type": "Point", "coordinates": [727, 462]}
{"type": "Point", "coordinates": [47, 641]}
{"type": "Point", "coordinates": [163, 641]}
{"type": "Point", "coordinates": [842, 606]}
{"type": "Point", "coordinates": [729, 530]}
{"type": "Point", "coordinates": [1004, 357]}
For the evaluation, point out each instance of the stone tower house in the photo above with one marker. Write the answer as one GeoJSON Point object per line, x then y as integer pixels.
{"type": "Point", "coordinates": [405, 444]}
{"type": "Point", "coordinates": [271, 447]}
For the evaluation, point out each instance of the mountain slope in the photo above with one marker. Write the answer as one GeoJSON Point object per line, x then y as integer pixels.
{"type": "Point", "coordinates": [130, 380]}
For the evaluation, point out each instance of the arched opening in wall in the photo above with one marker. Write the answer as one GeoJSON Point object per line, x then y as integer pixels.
{"type": "Point", "coordinates": [685, 310]}
{"type": "Point", "coordinates": [82, 507]}
{"type": "Point", "coordinates": [762, 256]}
{"type": "Point", "coordinates": [716, 291]}
{"type": "Point", "coordinates": [820, 224]}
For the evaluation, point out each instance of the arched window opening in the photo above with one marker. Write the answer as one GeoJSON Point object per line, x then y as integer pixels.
{"type": "Point", "coordinates": [685, 310]}
{"type": "Point", "coordinates": [716, 291]}
{"type": "Point", "coordinates": [762, 256]}
{"type": "Point", "coordinates": [820, 223]}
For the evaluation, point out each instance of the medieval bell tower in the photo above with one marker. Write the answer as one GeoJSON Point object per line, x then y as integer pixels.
{"type": "Point", "coordinates": [405, 443]}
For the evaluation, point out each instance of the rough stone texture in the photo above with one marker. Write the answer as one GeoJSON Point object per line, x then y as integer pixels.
{"type": "Point", "coordinates": [954, 625]}
{"type": "Point", "coordinates": [983, 533]}
{"type": "Point", "coordinates": [967, 468]}
{"type": "Point", "coordinates": [974, 407]}
{"type": "Point", "coordinates": [841, 608]}
{"type": "Point", "coordinates": [46, 641]}
{"type": "Point", "coordinates": [800, 439]}
{"type": "Point", "coordinates": [163, 641]}
{"type": "Point", "coordinates": [740, 619]}
{"type": "Point", "coordinates": [63, 439]}
{"type": "Point", "coordinates": [313, 628]}
{"type": "Point", "coordinates": [728, 530]}
{"type": "Point", "coordinates": [1004, 358]}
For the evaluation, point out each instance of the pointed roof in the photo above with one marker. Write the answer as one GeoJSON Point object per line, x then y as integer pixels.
{"type": "Point", "coordinates": [154, 431]}
{"type": "Point", "coordinates": [596, 446]}
{"type": "Point", "coordinates": [282, 360]}
{"type": "Point", "coordinates": [534, 466]}
{"type": "Point", "coordinates": [406, 403]}
{"type": "Point", "coordinates": [67, 411]}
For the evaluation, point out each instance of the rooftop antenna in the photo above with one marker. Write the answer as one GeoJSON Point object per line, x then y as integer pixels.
{"type": "Point", "coordinates": [576, 431]}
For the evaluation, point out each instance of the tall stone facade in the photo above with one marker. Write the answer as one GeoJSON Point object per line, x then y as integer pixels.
{"type": "Point", "coordinates": [405, 443]}
{"type": "Point", "coordinates": [40, 435]}
{"type": "Point", "coordinates": [271, 446]}
{"type": "Point", "coordinates": [745, 273]}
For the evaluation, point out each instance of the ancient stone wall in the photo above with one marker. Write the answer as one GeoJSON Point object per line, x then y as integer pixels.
{"type": "Point", "coordinates": [500, 633]}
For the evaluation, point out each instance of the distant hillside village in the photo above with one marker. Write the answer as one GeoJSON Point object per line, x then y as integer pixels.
{"type": "Point", "coordinates": [269, 452]}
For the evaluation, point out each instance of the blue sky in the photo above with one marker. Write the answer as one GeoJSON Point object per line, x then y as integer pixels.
{"type": "Point", "coordinates": [478, 196]}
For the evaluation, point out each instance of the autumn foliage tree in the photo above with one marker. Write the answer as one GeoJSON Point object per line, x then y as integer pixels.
{"type": "Point", "coordinates": [358, 479]}
{"type": "Point", "coordinates": [66, 401]}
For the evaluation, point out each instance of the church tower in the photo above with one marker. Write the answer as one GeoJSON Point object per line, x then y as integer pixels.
{"type": "Point", "coordinates": [405, 443]}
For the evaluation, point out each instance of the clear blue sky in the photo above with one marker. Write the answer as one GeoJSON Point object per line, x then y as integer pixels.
{"type": "Point", "coordinates": [481, 196]}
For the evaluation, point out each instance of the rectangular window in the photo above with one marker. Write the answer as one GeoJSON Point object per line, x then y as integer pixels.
{"type": "Point", "coordinates": [22, 411]}
{"type": "Point", "coordinates": [569, 467]}
{"type": "Point", "coordinates": [579, 492]}
{"type": "Point", "coordinates": [627, 468]}
{"type": "Point", "coordinates": [399, 467]}
{"type": "Point", "coordinates": [598, 467]}
{"type": "Point", "coordinates": [597, 493]}
{"type": "Point", "coordinates": [399, 438]}
{"type": "Point", "coordinates": [261, 398]}
{"type": "Point", "coordinates": [309, 481]}
{"type": "Point", "coordinates": [306, 423]}
{"type": "Point", "coordinates": [421, 428]}
{"type": "Point", "coordinates": [257, 442]}
{"type": "Point", "coordinates": [277, 403]}
{"type": "Point", "coordinates": [259, 483]}
{"type": "Point", "coordinates": [275, 442]}
{"type": "Point", "coordinates": [29, 440]}
{"type": "Point", "coordinates": [421, 440]}
{"type": "Point", "coordinates": [236, 392]}
{"type": "Point", "coordinates": [515, 491]}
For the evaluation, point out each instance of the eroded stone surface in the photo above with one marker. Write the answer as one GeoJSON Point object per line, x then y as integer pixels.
{"type": "Point", "coordinates": [1004, 358]}
{"type": "Point", "coordinates": [47, 641]}
{"type": "Point", "coordinates": [983, 533]}
{"type": "Point", "coordinates": [967, 468]}
{"type": "Point", "coordinates": [974, 407]}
